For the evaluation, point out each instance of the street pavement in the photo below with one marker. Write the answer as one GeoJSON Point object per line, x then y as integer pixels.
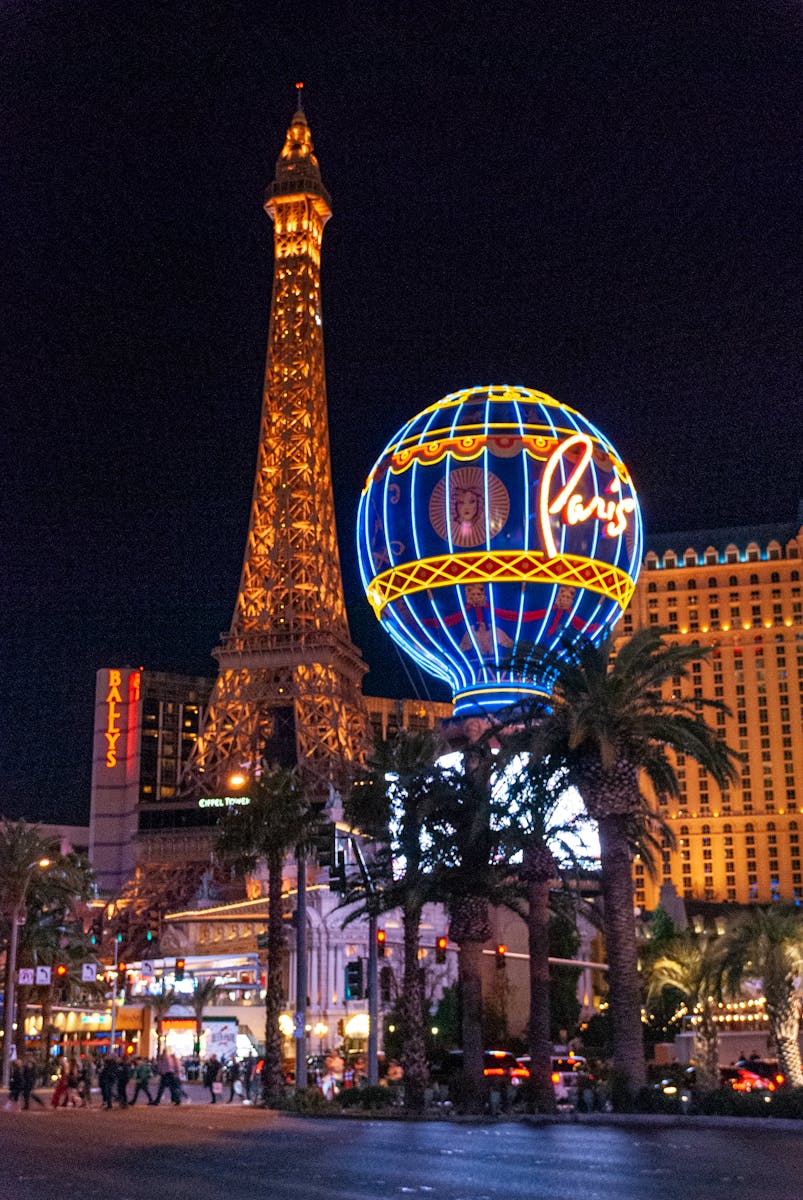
{"type": "Point", "coordinates": [200, 1152]}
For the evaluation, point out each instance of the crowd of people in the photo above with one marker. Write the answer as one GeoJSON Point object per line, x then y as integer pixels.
{"type": "Point", "coordinates": [122, 1081]}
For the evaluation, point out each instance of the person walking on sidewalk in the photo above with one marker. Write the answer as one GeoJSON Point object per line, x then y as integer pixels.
{"type": "Point", "coordinates": [212, 1077]}
{"type": "Point", "coordinates": [29, 1083]}
{"type": "Point", "coordinates": [142, 1075]}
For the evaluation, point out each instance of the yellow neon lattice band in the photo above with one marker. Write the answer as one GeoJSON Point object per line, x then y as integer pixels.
{"type": "Point", "coordinates": [501, 566]}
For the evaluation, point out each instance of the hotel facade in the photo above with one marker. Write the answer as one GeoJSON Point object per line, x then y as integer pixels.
{"type": "Point", "coordinates": [737, 591]}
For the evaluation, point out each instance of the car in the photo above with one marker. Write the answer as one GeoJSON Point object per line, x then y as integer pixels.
{"type": "Point", "coordinates": [765, 1068]}
{"type": "Point", "coordinates": [570, 1076]}
{"type": "Point", "coordinates": [743, 1079]}
{"type": "Point", "coordinates": [498, 1065]}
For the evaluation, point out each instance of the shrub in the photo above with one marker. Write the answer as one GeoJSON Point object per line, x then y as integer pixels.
{"type": "Point", "coordinates": [371, 1098]}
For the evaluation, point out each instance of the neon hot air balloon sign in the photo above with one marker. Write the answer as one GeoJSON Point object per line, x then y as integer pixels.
{"type": "Point", "coordinates": [496, 519]}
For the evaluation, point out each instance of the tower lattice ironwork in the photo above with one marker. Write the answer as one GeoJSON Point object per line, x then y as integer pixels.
{"type": "Point", "coordinates": [288, 688]}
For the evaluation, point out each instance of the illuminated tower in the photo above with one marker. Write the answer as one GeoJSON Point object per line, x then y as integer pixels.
{"type": "Point", "coordinates": [289, 678]}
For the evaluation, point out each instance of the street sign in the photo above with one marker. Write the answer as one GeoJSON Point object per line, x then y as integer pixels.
{"type": "Point", "coordinates": [298, 1024]}
{"type": "Point", "coordinates": [42, 976]}
{"type": "Point", "coordinates": [26, 976]}
{"type": "Point", "coordinates": [89, 972]}
{"type": "Point", "coordinates": [146, 969]}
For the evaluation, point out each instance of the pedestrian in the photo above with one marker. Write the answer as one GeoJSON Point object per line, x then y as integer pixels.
{"type": "Point", "coordinates": [61, 1090]}
{"type": "Point", "coordinates": [29, 1083]}
{"type": "Point", "coordinates": [85, 1082]}
{"type": "Point", "coordinates": [167, 1066]}
{"type": "Point", "coordinates": [233, 1075]}
{"type": "Point", "coordinates": [107, 1079]}
{"type": "Point", "coordinates": [142, 1075]}
{"type": "Point", "coordinates": [248, 1076]}
{"type": "Point", "coordinates": [212, 1077]}
{"type": "Point", "coordinates": [123, 1076]}
{"type": "Point", "coordinates": [73, 1096]}
{"type": "Point", "coordinates": [14, 1085]}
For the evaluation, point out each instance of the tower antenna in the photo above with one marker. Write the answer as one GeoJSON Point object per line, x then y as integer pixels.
{"type": "Point", "coordinates": [300, 96]}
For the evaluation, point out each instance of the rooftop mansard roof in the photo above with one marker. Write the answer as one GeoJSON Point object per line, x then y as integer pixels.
{"type": "Point", "coordinates": [740, 536]}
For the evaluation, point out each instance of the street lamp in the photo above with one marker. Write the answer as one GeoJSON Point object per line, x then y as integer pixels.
{"type": "Point", "coordinates": [17, 919]}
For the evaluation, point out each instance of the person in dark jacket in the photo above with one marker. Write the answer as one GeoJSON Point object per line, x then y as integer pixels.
{"type": "Point", "coordinates": [29, 1083]}
{"type": "Point", "coordinates": [107, 1079]}
{"type": "Point", "coordinates": [212, 1076]}
{"type": "Point", "coordinates": [123, 1076]}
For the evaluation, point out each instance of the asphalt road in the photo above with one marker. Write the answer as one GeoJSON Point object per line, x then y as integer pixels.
{"type": "Point", "coordinates": [199, 1153]}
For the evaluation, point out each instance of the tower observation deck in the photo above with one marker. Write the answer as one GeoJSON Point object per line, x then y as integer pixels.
{"type": "Point", "coordinates": [289, 683]}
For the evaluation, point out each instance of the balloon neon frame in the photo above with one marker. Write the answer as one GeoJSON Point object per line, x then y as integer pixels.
{"type": "Point", "coordinates": [496, 518]}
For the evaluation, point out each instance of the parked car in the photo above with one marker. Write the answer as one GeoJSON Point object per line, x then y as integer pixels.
{"type": "Point", "coordinates": [765, 1068]}
{"type": "Point", "coordinates": [744, 1079]}
{"type": "Point", "coordinates": [570, 1075]}
{"type": "Point", "coordinates": [499, 1065]}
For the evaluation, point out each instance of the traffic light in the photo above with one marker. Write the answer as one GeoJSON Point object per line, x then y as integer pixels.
{"type": "Point", "coordinates": [179, 971]}
{"type": "Point", "coordinates": [354, 981]}
{"type": "Point", "coordinates": [152, 928]}
{"type": "Point", "coordinates": [323, 842]}
{"type": "Point", "coordinates": [337, 874]}
{"type": "Point", "coordinates": [381, 939]}
{"type": "Point", "coordinates": [96, 929]}
{"type": "Point", "coordinates": [501, 952]}
{"type": "Point", "coordinates": [121, 973]}
{"type": "Point", "coordinates": [386, 985]}
{"type": "Point", "coordinates": [440, 950]}
{"type": "Point", "coordinates": [123, 922]}
{"type": "Point", "coordinates": [60, 974]}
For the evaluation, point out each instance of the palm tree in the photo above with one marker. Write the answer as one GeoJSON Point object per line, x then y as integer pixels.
{"type": "Point", "coordinates": [389, 803]}
{"type": "Point", "coordinates": [38, 891]}
{"type": "Point", "coordinates": [767, 944]}
{"type": "Point", "coordinates": [691, 964]}
{"type": "Point", "coordinates": [276, 821]}
{"type": "Point", "coordinates": [533, 832]}
{"type": "Point", "coordinates": [609, 719]}
{"type": "Point", "coordinates": [205, 993]}
{"type": "Point", "coordinates": [469, 876]}
{"type": "Point", "coordinates": [160, 1004]}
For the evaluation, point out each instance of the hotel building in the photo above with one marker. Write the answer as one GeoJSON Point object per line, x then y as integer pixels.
{"type": "Point", "coordinates": [737, 591]}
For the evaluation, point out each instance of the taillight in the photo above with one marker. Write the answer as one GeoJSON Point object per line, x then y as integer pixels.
{"type": "Point", "coordinates": [555, 1077]}
{"type": "Point", "coordinates": [780, 1078]}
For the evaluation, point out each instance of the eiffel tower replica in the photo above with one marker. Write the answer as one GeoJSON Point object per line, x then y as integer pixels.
{"type": "Point", "coordinates": [289, 684]}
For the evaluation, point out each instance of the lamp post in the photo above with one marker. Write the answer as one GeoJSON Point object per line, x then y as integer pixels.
{"type": "Point", "coordinates": [17, 919]}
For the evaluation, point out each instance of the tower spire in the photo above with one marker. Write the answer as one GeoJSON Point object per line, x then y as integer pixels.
{"type": "Point", "coordinates": [288, 688]}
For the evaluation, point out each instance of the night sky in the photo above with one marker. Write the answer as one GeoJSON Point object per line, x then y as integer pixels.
{"type": "Point", "coordinates": [599, 200]}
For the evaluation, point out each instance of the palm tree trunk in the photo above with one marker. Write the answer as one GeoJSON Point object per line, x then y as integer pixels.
{"type": "Point", "coordinates": [620, 940]}
{"type": "Point", "coordinates": [272, 1072]}
{"type": "Point", "coordinates": [706, 1050]}
{"type": "Point", "coordinates": [473, 1049]}
{"type": "Point", "coordinates": [23, 996]}
{"type": "Point", "coordinates": [541, 1091]}
{"type": "Point", "coordinates": [784, 1023]}
{"type": "Point", "coordinates": [414, 1058]}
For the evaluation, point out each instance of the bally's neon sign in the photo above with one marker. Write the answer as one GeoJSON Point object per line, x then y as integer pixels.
{"type": "Point", "coordinates": [114, 702]}
{"type": "Point", "coordinates": [574, 509]}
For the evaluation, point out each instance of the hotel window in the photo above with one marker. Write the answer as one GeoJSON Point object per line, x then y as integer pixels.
{"type": "Point", "coordinates": [753, 553]}
{"type": "Point", "coordinates": [690, 559]}
{"type": "Point", "coordinates": [652, 586]}
{"type": "Point", "coordinates": [670, 559]}
{"type": "Point", "coordinates": [731, 554]}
